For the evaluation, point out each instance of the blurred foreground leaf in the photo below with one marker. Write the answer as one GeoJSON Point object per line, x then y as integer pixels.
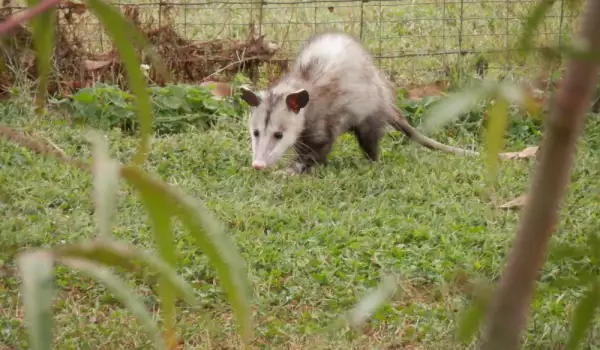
{"type": "Point", "coordinates": [583, 315]}
{"type": "Point", "coordinates": [123, 292]}
{"type": "Point", "coordinates": [126, 256]}
{"type": "Point", "coordinates": [209, 235]}
{"type": "Point", "coordinates": [497, 123]}
{"type": "Point", "coordinates": [472, 317]}
{"type": "Point", "coordinates": [371, 302]}
{"type": "Point", "coordinates": [532, 22]}
{"type": "Point", "coordinates": [106, 179]}
{"type": "Point", "coordinates": [120, 29]}
{"type": "Point", "coordinates": [36, 270]}
{"type": "Point", "coordinates": [43, 39]}
{"type": "Point", "coordinates": [160, 212]}
{"type": "Point", "coordinates": [455, 105]}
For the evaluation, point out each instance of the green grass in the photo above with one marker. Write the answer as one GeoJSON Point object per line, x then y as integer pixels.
{"type": "Point", "coordinates": [314, 244]}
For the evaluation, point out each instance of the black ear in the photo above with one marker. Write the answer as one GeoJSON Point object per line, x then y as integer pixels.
{"type": "Point", "coordinates": [250, 97]}
{"type": "Point", "coordinates": [297, 100]}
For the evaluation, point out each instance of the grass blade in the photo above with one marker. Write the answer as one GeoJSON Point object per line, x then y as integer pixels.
{"type": "Point", "coordinates": [122, 291]}
{"type": "Point", "coordinates": [583, 315]}
{"type": "Point", "coordinates": [106, 180]}
{"type": "Point", "coordinates": [127, 256]}
{"type": "Point", "coordinates": [43, 39]}
{"type": "Point", "coordinates": [497, 124]}
{"type": "Point", "coordinates": [160, 217]}
{"type": "Point", "coordinates": [118, 27]}
{"type": "Point", "coordinates": [38, 291]}
{"type": "Point", "coordinates": [211, 239]}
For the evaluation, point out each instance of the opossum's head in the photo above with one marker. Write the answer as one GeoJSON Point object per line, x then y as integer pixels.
{"type": "Point", "coordinates": [275, 123]}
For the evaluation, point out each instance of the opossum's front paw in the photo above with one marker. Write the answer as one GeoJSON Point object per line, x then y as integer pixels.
{"type": "Point", "coordinates": [294, 169]}
{"type": "Point", "coordinates": [287, 172]}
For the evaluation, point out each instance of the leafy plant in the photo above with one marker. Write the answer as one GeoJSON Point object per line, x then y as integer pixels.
{"type": "Point", "coordinates": [523, 125]}
{"type": "Point", "coordinates": [175, 107]}
{"type": "Point", "coordinates": [162, 201]}
{"type": "Point", "coordinates": [508, 308]}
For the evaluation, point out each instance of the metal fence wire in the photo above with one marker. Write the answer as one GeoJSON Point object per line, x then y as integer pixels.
{"type": "Point", "coordinates": [413, 41]}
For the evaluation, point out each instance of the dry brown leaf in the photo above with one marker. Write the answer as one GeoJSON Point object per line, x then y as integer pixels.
{"type": "Point", "coordinates": [515, 203]}
{"type": "Point", "coordinates": [94, 65]}
{"type": "Point", "coordinates": [218, 89]}
{"type": "Point", "coordinates": [526, 153]}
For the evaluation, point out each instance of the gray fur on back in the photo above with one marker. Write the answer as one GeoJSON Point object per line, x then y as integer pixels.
{"type": "Point", "coordinates": [344, 84]}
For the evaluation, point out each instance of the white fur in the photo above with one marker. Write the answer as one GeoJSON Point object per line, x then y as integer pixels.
{"type": "Point", "coordinates": [330, 57]}
{"type": "Point", "coordinates": [328, 49]}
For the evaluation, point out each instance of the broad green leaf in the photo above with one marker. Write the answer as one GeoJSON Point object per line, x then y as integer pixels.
{"type": "Point", "coordinates": [367, 305]}
{"type": "Point", "coordinates": [106, 181]}
{"type": "Point", "coordinates": [455, 105]}
{"type": "Point", "coordinates": [497, 124]}
{"type": "Point", "coordinates": [583, 315]}
{"type": "Point", "coordinates": [36, 270]}
{"type": "Point", "coordinates": [532, 22]}
{"type": "Point", "coordinates": [211, 239]}
{"type": "Point", "coordinates": [120, 30]}
{"type": "Point", "coordinates": [43, 38]}
{"type": "Point", "coordinates": [121, 291]}
{"type": "Point", "coordinates": [127, 256]}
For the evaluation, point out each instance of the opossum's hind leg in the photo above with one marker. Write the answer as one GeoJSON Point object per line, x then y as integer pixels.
{"type": "Point", "coordinates": [369, 133]}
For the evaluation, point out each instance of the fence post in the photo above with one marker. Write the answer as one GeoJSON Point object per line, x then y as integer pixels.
{"type": "Point", "coordinates": [362, 17]}
{"type": "Point", "coordinates": [562, 16]}
{"type": "Point", "coordinates": [258, 6]}
{"type": "Point", "coordinates": [444, 35]}
{"type": "Point", "coordinates": [460, 39]}
{"type": "Point", "coordinates": [380, 33]}
{"type": "Point", "coordinates": [506, 45]}
{"type": "Point", "coordinates": [160, 4]}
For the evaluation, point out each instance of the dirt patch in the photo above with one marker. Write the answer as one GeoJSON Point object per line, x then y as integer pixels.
{"type": "Point", "coordinates": [74, 65]}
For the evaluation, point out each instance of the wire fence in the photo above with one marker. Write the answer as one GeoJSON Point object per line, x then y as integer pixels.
{"type": "Point", "coordinates": [413, 41]}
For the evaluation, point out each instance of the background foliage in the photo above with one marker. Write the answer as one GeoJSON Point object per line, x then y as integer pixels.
{"type": "Point", "coordinates": [193, 131]}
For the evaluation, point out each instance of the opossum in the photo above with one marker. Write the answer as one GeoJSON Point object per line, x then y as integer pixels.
{"type": "Point", "coordinates": [332, 88]}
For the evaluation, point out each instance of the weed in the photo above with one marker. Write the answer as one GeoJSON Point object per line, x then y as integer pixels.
{"type": "Point", "coordinates": [175, 107]}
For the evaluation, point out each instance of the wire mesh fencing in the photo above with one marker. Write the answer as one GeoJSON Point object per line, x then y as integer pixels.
{"type": "Point", "coordinates": [413, 41]}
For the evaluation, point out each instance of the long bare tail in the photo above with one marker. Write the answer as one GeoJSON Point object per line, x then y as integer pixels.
{"type": "Point", "coordinates": [399, 122]}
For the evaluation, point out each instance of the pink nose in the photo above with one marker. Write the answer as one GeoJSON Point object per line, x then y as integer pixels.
{"type": "Point", "coordinates": [258, 165]}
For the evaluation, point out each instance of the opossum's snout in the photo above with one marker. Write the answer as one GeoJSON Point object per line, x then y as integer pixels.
{"type": "Point", "coordinates": [267, 149]}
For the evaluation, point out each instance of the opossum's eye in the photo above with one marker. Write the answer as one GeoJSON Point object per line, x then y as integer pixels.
{"type": "Point", "coordinates": [278, 135]}
{"type": "Point", "coordinates": [255, 132]}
